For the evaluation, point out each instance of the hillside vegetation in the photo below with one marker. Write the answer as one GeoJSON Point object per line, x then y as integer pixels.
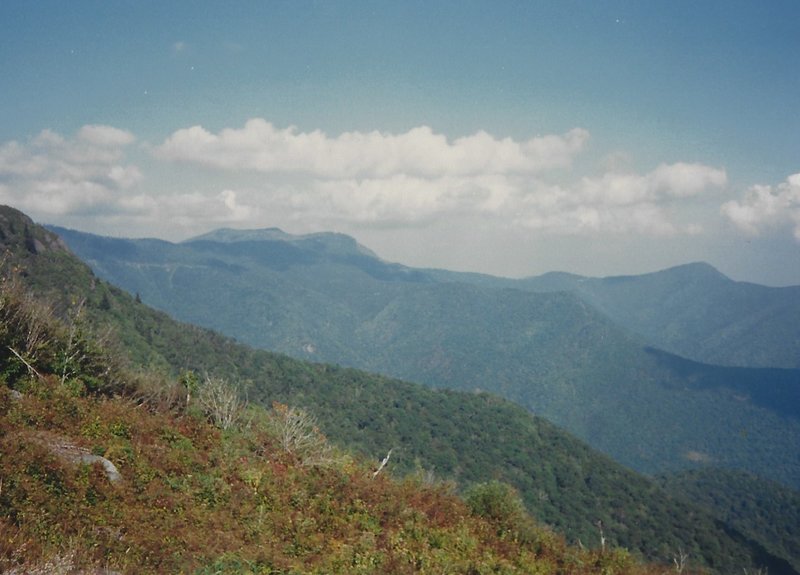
{"type": "Point", "coordinates": [325, 298]}
{"type": "Point", "coordinates": [101, 470]}
{"type": "Point", "coordinates": [768, 512]}
{"type": "Point", "coordinates": [474, 438]}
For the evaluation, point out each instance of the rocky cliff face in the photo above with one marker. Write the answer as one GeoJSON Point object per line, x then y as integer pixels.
{"type": "Point", "coordinates": [19, 232]}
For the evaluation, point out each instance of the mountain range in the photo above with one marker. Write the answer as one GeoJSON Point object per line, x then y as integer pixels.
{"type": "Point", "coordinates": [595, 356]}
{"type": "Point", "coordinates": [469, 437]}
{"type": "Point", "coordinates": [108, 467]}
{"type": "Point", "coordinates": [696, 312]}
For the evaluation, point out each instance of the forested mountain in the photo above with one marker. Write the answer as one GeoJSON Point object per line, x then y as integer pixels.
{"type": "Point", "coordinates": [105, 470]}
{"type": "Point", "coordinates": [468, 437]}
{"type": "Point", "coordinates": [324, 297]}
{"type": "Point", "coordinates": [695, 311]}
{"type": "Point", "coordinates": [691, 310]}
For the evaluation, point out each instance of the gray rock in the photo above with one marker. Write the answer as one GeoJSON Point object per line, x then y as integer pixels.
{"type": "Point", "coordinates": [111, 470]}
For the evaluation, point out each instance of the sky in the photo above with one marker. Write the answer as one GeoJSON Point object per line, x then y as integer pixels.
{"type": "Point", "coordinates": [511, 138]}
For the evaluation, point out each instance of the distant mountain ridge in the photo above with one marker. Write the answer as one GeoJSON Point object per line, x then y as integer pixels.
{"type": "Point", "coordinates": [695, 311]}
{"type": "Point", "coordinates": [331, 242]}
{"type": "Point", "coordinates": [692, 310]}
{"type": "Point", "coordinates": [549, 350]}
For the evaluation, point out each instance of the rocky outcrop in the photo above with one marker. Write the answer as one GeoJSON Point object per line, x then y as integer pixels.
{"type": "Point", "coordinates": [71, 453]}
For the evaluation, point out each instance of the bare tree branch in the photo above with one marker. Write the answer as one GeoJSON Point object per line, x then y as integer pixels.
{"type": "Point", "coordinates": [31, 369]}
{"type": "Point", "coordinates": [383, 463]}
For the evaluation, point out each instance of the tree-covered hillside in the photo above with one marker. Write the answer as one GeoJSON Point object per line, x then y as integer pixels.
{"type": "Point", "coordinates": [695, 311]}
{"type": "Point", "coordinates": [766, 511]}
{"type": "Point", "coordinates": [107, 471]}
{"type": "Point", "coordinates": [325, 298]}
{"type": "Point", "coordinates": [470, 437]}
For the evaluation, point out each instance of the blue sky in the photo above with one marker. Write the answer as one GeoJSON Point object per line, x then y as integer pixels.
{"type": "Point", "coordinates": [507, 137]}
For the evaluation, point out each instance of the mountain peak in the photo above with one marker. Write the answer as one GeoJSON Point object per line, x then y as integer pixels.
{"type": "Point", "coordinates": [231, 235]}
{"type": "Point", "coordinates": [698, 268]}
{"type": "Point", "coordinates": [694, 271]}
{"type": "Point", "coordinates": [332, 242]}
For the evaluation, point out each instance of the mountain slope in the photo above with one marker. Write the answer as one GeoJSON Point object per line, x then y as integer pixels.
{"type": "Point", "coordinates": [98, 477]}
{"type": "Point", "coordinates": [766, 511]}
{"type": "Point", "coordinates": [466, 436]}
{"type": "Point", "coordinates": [695, 311]}
{"type": "Point", "coordinates": [323, 297]}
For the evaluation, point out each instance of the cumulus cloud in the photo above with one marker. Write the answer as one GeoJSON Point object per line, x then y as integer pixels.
{"type": "Point", "coordinates": [683, 180]}
{"type": "Point", "coordinates": [191, 212]}
{"type": "Point", "coordinates": [261, 147]}
{"type": "Point", "coordinates": [767, 207]}
{"type": "Point", "coordinates": [356, 179]}
{"type": "Point", "coordinates": [680, 180]}
{"type": "Point", "coordinates": [396, 200]}
{"type": "Point", "coordinates": [235, 210]}
{"type": "Point", "coordinates": [105, 136]}
{"type": "Point", "coordinates": [53, 175]}
{"type": "Point", "coordinates": [414, 177]}
{"type": "Point", "coordinates": [620, 202]}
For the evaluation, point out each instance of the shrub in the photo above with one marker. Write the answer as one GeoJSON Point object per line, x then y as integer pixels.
{"type": "Point", "coordinates": [501, 505]}
{"type": "Point", "coordinates": [299, 434]}
{"type": "Point", "coordinates": [221, 402]}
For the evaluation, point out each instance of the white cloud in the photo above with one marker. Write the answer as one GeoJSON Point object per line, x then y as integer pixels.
{"type": "Point", "coordinates": [181, 214]}
{"type": "Point", "coordinates": [680, 180]}
{"type": "Point", "coordinates": [396, 200]}
{"type": "Point", "coordinates": [620, 202]}
{"type": "Point", "coordinates": [105, 136]}
{"type": "Point", "coordinates": [356, 179]}
{"type": "Point", "coordinates": [381, 179]}
{"type": "Point", "coordinates": [587, 218]}
{"type": "Point", "coordinates": [767, 207]}
{"type": "Point", "coordinates": [125, 176]}
{"type": "Point", "coordinates": [683, 180]}
{"type": "Point", "coordinates": [51, 175]}
{"type": "Point", "coordinates": [235, 211]}
{"type": "Point", "coordinates": [261, 147]}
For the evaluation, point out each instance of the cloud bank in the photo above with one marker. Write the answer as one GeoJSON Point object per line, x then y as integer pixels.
{"type": "Point", "coordinates": [622, 201]}
{"type": "Point", "coordinates": [356, 179]}
{"type": "Point", "coordinates": [415, 177]}
{"type": "Point", "coordinates": [420, 152]}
